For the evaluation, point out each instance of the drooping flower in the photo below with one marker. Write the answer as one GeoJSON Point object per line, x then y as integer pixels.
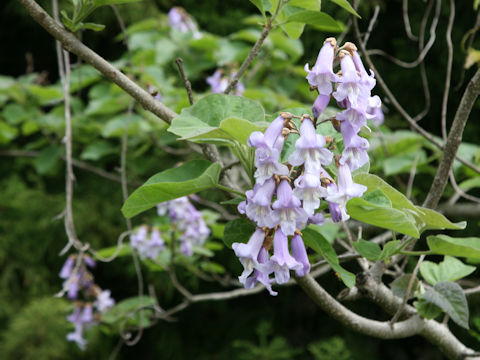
{"type": "Point", "coordinates": [320, 105]}
{"type": "Point", "coordinates": [217, 82]}
{"type": "Point", "coordinates": [287, 210]}
{"type": "Point", "coordinates": [104, 301]}
{"type": "Point", "coordinates": [350, 85]}
{"type": "Point", "coordinates": [282, 261]}
{"type": "Point", "coordinates": [262, 273]}
{"type": "Point", "coordinates": [258, 207]}
{"type": "Point", "coordinates": [299, 253]}
{"type": "Point", "coordinates": [345, 190]}
{"type": "Point", "coordinates": [375, 110]}
{"type": "Point", "coordinates": [321, 75]}
{"type": "Point", "coordinates": [309, 149]}
{"type": "Point", "coordinates": [308, 189]}
{"type": "Point", "coordinates": [355, 151]}
{"type": "Point", "coordinates": [268, 149]}
{"type": "Point", "coordinates": [248, 253]}
{"type": "Point", "coordinates": [67, 268]}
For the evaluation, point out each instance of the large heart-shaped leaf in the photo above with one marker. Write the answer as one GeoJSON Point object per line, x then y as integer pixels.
{"type": "Point", "coordinates": [446, 245]}
{"type": "Point", "coordinates": [220, 119]}
{"type": "Point", "coordinates": [189, 178]}
{"type": "Point", "coordinates": [450, 269]}
{"type": "Point", "coordinates": [450, 297]}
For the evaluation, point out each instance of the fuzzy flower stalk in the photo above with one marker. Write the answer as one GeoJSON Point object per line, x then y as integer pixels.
{"type": "Point", "coordinates": [89, 299]}
{"type": "Point", "coordinates": [290, 186]}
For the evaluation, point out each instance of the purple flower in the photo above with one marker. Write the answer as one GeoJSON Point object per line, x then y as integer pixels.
{"type": "Point", "coordinates": [309, 190]}
{"type": "Point", "coordinates": [248, 253]}
{"type": "Point", "coordinates": [77, 336]}
{"type": "Point", "coordinates": [73, 286]}
{"type": "Point", "coordinates": [355, 117]}
{"type": "Point", "coordinates": [310, 149]}
{"type": "Point", "coordinates": [268, 149]}
{"type": "Point", "coordinates": [180, 20]}
{"type": "Point", "coordinates": [217, 82]}
{"type": "Point", "coordinates": [156, 244]}
{"type": "Point", "coordinates": [282, 261]}
{"type": "Point", "coordinates": [355, 151]}
{"type": "Point", "coordinates": [89, 261]}
{"type": "Point", "coordinates": [321, 75]}
{"type": "Point", "coordinates": [300, 254]}
{"type": "Point", "coordinates": [368, 80]}
{"type": "Point", "coordinates": [87, 314]}
{"type": "Point", "coordinates": [317, 219]}
{"type": "Point", "coordinates": [335, 212]}
{"type": "Point", "coordinates": [186, 248]}
{"type": "Point", "coordinates": [104, 301]}
{"type": "Point", "coordinates": [350, 86]}
{"type": "Point", "coordinates": [258, 207]}
{"type": "Point", "coordinates": [375, 110]}
{"type": "Point", "coordinates": [320, 104]}
{"type": "Point", "coordinates": [261, 274]}
{"type": "Point", "coordinates": [287, 211]}
{"type": "Point", "coordinates": [345, 190]}
{"type": "Point", "coordinates": [67, 268]}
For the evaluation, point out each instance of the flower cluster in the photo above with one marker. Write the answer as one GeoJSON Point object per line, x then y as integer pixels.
{"type": "Point", "coordinates": [180, 20]}
{"type": "Point", "coordinates": [219, 82]}
{"type": "Point", "coordinates": [94, 301]}
{"type": "Point", "coordinates": [286, 196]}
{"type": "Point", "coordinates": [186, 219]}
{"type": "Point", "coordinates": [148, 245]}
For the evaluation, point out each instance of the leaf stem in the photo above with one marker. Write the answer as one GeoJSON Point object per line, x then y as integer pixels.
{"type": "Point", "coordinates": [417, 253]}
{"type": "Point", "coordinates": [226, 188]}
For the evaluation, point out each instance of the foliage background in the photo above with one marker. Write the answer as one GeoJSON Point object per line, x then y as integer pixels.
{"type": "Point", "coordinates": [289, 326]}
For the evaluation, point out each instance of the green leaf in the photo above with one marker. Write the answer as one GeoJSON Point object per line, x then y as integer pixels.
{"type": "Point", "coordinates": [367, 249]}
{"type": "Point", "coordinates": [428, 219]}
{"type": "Point", "coordinates": [320, 20]}
{"type": "Point", "coordinates": [262, 5]}
{"type": "Point", "coordinates": [124, 250]}
{"type": "Point", "coordinates": [113, 2]}
{"type": "Point", "coordinates": [128, 309]}
{"type": "Point", "coordinates": [450, 269]}
{"type": "Point", "coordinates": [97, 150]}
{"type": "Point", "coordinates": [378, 198]}
{"type": "Point", "coordinates": [317, 242]}
{"type": "Point", "coordinates": [189, 178]}
{"type": "Point", "coordinates": [46, 95]}
{"type": "Point", "coordinates": [219, 119]}
{"type": "Point", "coordinates": [346, 5]}
{"type": "Point", "coordinates": [373, 182]}
{"type": "Point", "coordinates": [389, 249]}
{"type": "Point", "coordinates": [426, 309]}
{"type": "Point", "coordinates": [463, 247]}
{"type": "Point", "coordinates": [47, 160]}
{"type": "Point", "coordinates": [381, 216]}
{"type": "Point", "coordinates": [238, 230]}
{"type": "Point", "coordinates": [399, 286]}
{"type": "Point", "coordinates": [450, 297]}
{"type": "Point", "coordinates": [306, 4]}
{"type": "Point", "coordinates": [7, 133]}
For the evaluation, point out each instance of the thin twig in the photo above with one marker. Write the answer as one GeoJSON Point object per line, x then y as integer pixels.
{"type": "Point", "coordinates": [425, 50]}
{"type": "Point", "coordinates": [408, 291]}
{"type": "Point", "coordinates": [459, 191]}
{"type": "Point", "coordinates": [406, 21]}
{"type": "Point", "coordinates": [412, 176]}
{"type": "Point", "coordinates": [448, 73]}
{"type": "Point", "coordinates": [371, 24]}
{"type": "Point", "coordinates": [255, 50]}
{"type": "Point", "coordinates": [186, 82]}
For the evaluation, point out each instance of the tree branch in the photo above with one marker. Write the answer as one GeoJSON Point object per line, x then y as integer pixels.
{"type": "Point", "coordinates": [75, 46]}
{"type": "Point", "coordinates": [454, 140]}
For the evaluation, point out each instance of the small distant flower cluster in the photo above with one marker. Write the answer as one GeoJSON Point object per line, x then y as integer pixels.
{"type": "Point", "coordinates": [286, 197]}
{"type": "Point", "coordinates": [148, 246]}
{"type": "Point", "coordinates": [186, 219]}
{"type": "Point", "coordinates": [219, 82]}
{"type": "Point", "coordinates": [180, 20]}
{"type": "Point", "coordinates": [92, 304]}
